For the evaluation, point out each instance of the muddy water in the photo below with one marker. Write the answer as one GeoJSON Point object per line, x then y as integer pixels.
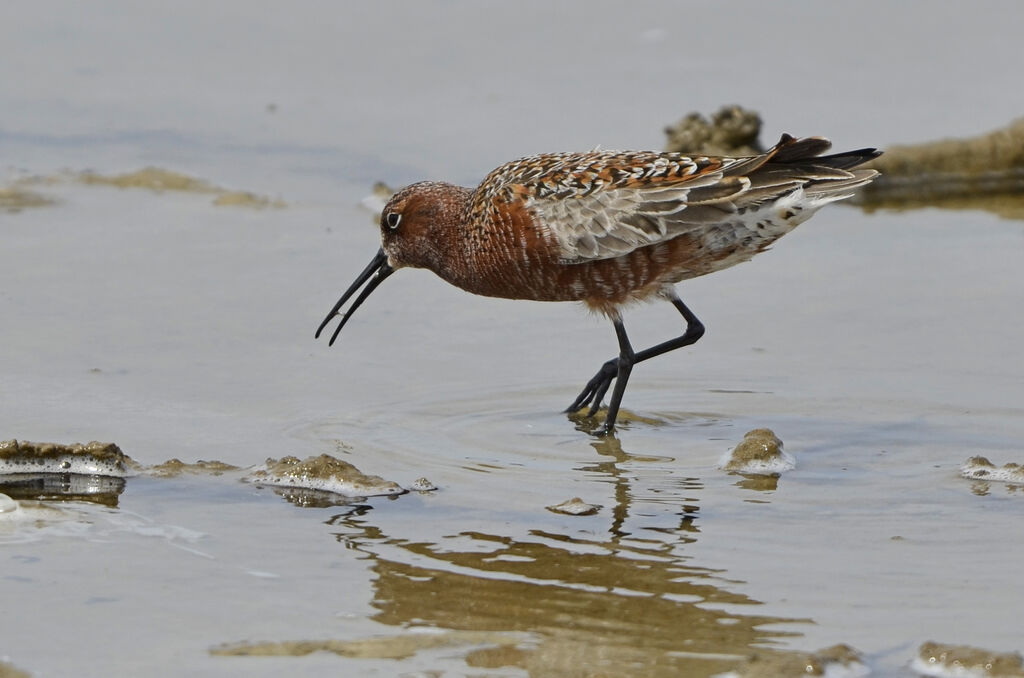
{"type": "Point", "coordinates": [883, 349]}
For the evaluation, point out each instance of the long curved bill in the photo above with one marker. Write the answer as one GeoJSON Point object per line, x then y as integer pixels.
{"type": "Point", "coordinates": [375, 274]}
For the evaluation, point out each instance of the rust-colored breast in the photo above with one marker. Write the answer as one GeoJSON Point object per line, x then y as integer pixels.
{"type": "Point", "coordinates": [515, 255]}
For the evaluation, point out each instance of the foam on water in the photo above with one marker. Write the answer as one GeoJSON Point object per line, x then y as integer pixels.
{"type": "Point", "coordinates": [7, 506]}
{"type": "Point", "coordinates": [980, 468]}
{"type": "Point", "coordinates": [759, 453]}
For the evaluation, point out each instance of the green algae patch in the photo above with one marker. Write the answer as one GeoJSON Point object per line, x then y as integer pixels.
{"type": "Point", "coordinates": [324, 473]}
{"type": "Point", "coordinates": [390, 647]}
{"type": "Point", "coordinates": [935, 659]}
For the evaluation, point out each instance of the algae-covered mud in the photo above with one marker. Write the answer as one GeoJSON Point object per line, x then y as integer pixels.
{"type": "Point", "coordinates": [826, 484]}
{"type": "Point", "coordinates": [95, 470]}
{"type": "Point", "coordinates": [36, 191]}
{"type": "Point", "coordinates": [325, 473]}
{"type": "Point", "coordinates": [759, 453]}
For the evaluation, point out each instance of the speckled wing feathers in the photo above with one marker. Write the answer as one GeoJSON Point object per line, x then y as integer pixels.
{"type": "Point", "coordinates": [605, 204]}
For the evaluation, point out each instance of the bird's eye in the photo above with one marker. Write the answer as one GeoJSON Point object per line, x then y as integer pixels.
{"type": "Point", "coordinates": [392, 219]}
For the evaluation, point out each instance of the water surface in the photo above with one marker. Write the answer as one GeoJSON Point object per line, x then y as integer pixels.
{"type": "Point", "coordinates": [883, 349]}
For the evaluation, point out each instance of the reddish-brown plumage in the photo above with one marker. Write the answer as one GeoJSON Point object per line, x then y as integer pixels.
{"type": "Point", "coordinates": [607, 228]}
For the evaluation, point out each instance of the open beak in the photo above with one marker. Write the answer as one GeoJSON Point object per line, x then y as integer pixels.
{"type": "Point", "coordinates": [375, 273]}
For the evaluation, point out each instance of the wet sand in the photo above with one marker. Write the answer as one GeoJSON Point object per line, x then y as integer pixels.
{"type": "Point", "coordinates": [882, 348]}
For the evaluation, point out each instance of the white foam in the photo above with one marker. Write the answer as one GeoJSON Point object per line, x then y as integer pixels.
{"type": "Point", "coordinates": [7, 506]}
{"type": "Point", "coordinates": [66, 463]}
{"type": "Point", "coordinates": [759, 467]}
{"type": "Point", "coordinates": [759, 453]}
{"type": "Point", "coordinates": [940, 669]}
{"type": "Point", "coordinates": [340, 486]}
{"type": "Point", "coordinates": [980, 468]}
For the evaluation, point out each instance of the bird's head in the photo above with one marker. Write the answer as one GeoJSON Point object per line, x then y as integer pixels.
{"type": "Point", "coordinates": [413, 229]}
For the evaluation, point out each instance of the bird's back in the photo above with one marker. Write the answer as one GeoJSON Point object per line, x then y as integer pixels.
{"type": "Point", "coordinates": [609, 227]}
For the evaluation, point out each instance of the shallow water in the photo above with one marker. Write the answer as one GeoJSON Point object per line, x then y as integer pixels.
{"type": "Point", "coordinates": [883, 349]}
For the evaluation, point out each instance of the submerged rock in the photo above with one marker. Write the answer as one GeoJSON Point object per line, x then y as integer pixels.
{"type": "Point", "coordinates": [732, 131]}
{"type": "Point", "coordinates": [759, 453]}
{"type": "Point", "coordinates": [325, 473]}
{"type": "Point", "coordinates": [938, 659]}
{"type": "Point", "coordinates": [575, 507]}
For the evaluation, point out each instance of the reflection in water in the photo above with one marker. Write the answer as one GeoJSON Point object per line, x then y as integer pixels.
{"type": "Point", "coordinates": [983, 488]}
{"type": "Point", "coordinates": [102, 490]}
{"type": "Point", "coordinates": [626, 604]}
{"type": "Point", "coordinates": [300, 496]}
{"type": "Point", "coordinates": [759, 483]}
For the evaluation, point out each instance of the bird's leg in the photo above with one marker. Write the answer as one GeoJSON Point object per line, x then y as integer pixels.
{"type": "Point", "coordinates": [627, 358]}
{"type": "Point", "coordinates": [621, 367]}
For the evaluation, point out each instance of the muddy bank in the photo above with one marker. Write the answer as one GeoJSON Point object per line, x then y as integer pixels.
{"type": "Point", "coordinates": [982, 172]}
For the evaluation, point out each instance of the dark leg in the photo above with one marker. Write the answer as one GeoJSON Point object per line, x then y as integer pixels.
{"type": "Point", "coordinates": [621, 367]}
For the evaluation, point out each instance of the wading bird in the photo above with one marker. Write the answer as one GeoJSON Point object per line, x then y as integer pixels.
{"type": "Point", "coordinates": [606, 228]}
